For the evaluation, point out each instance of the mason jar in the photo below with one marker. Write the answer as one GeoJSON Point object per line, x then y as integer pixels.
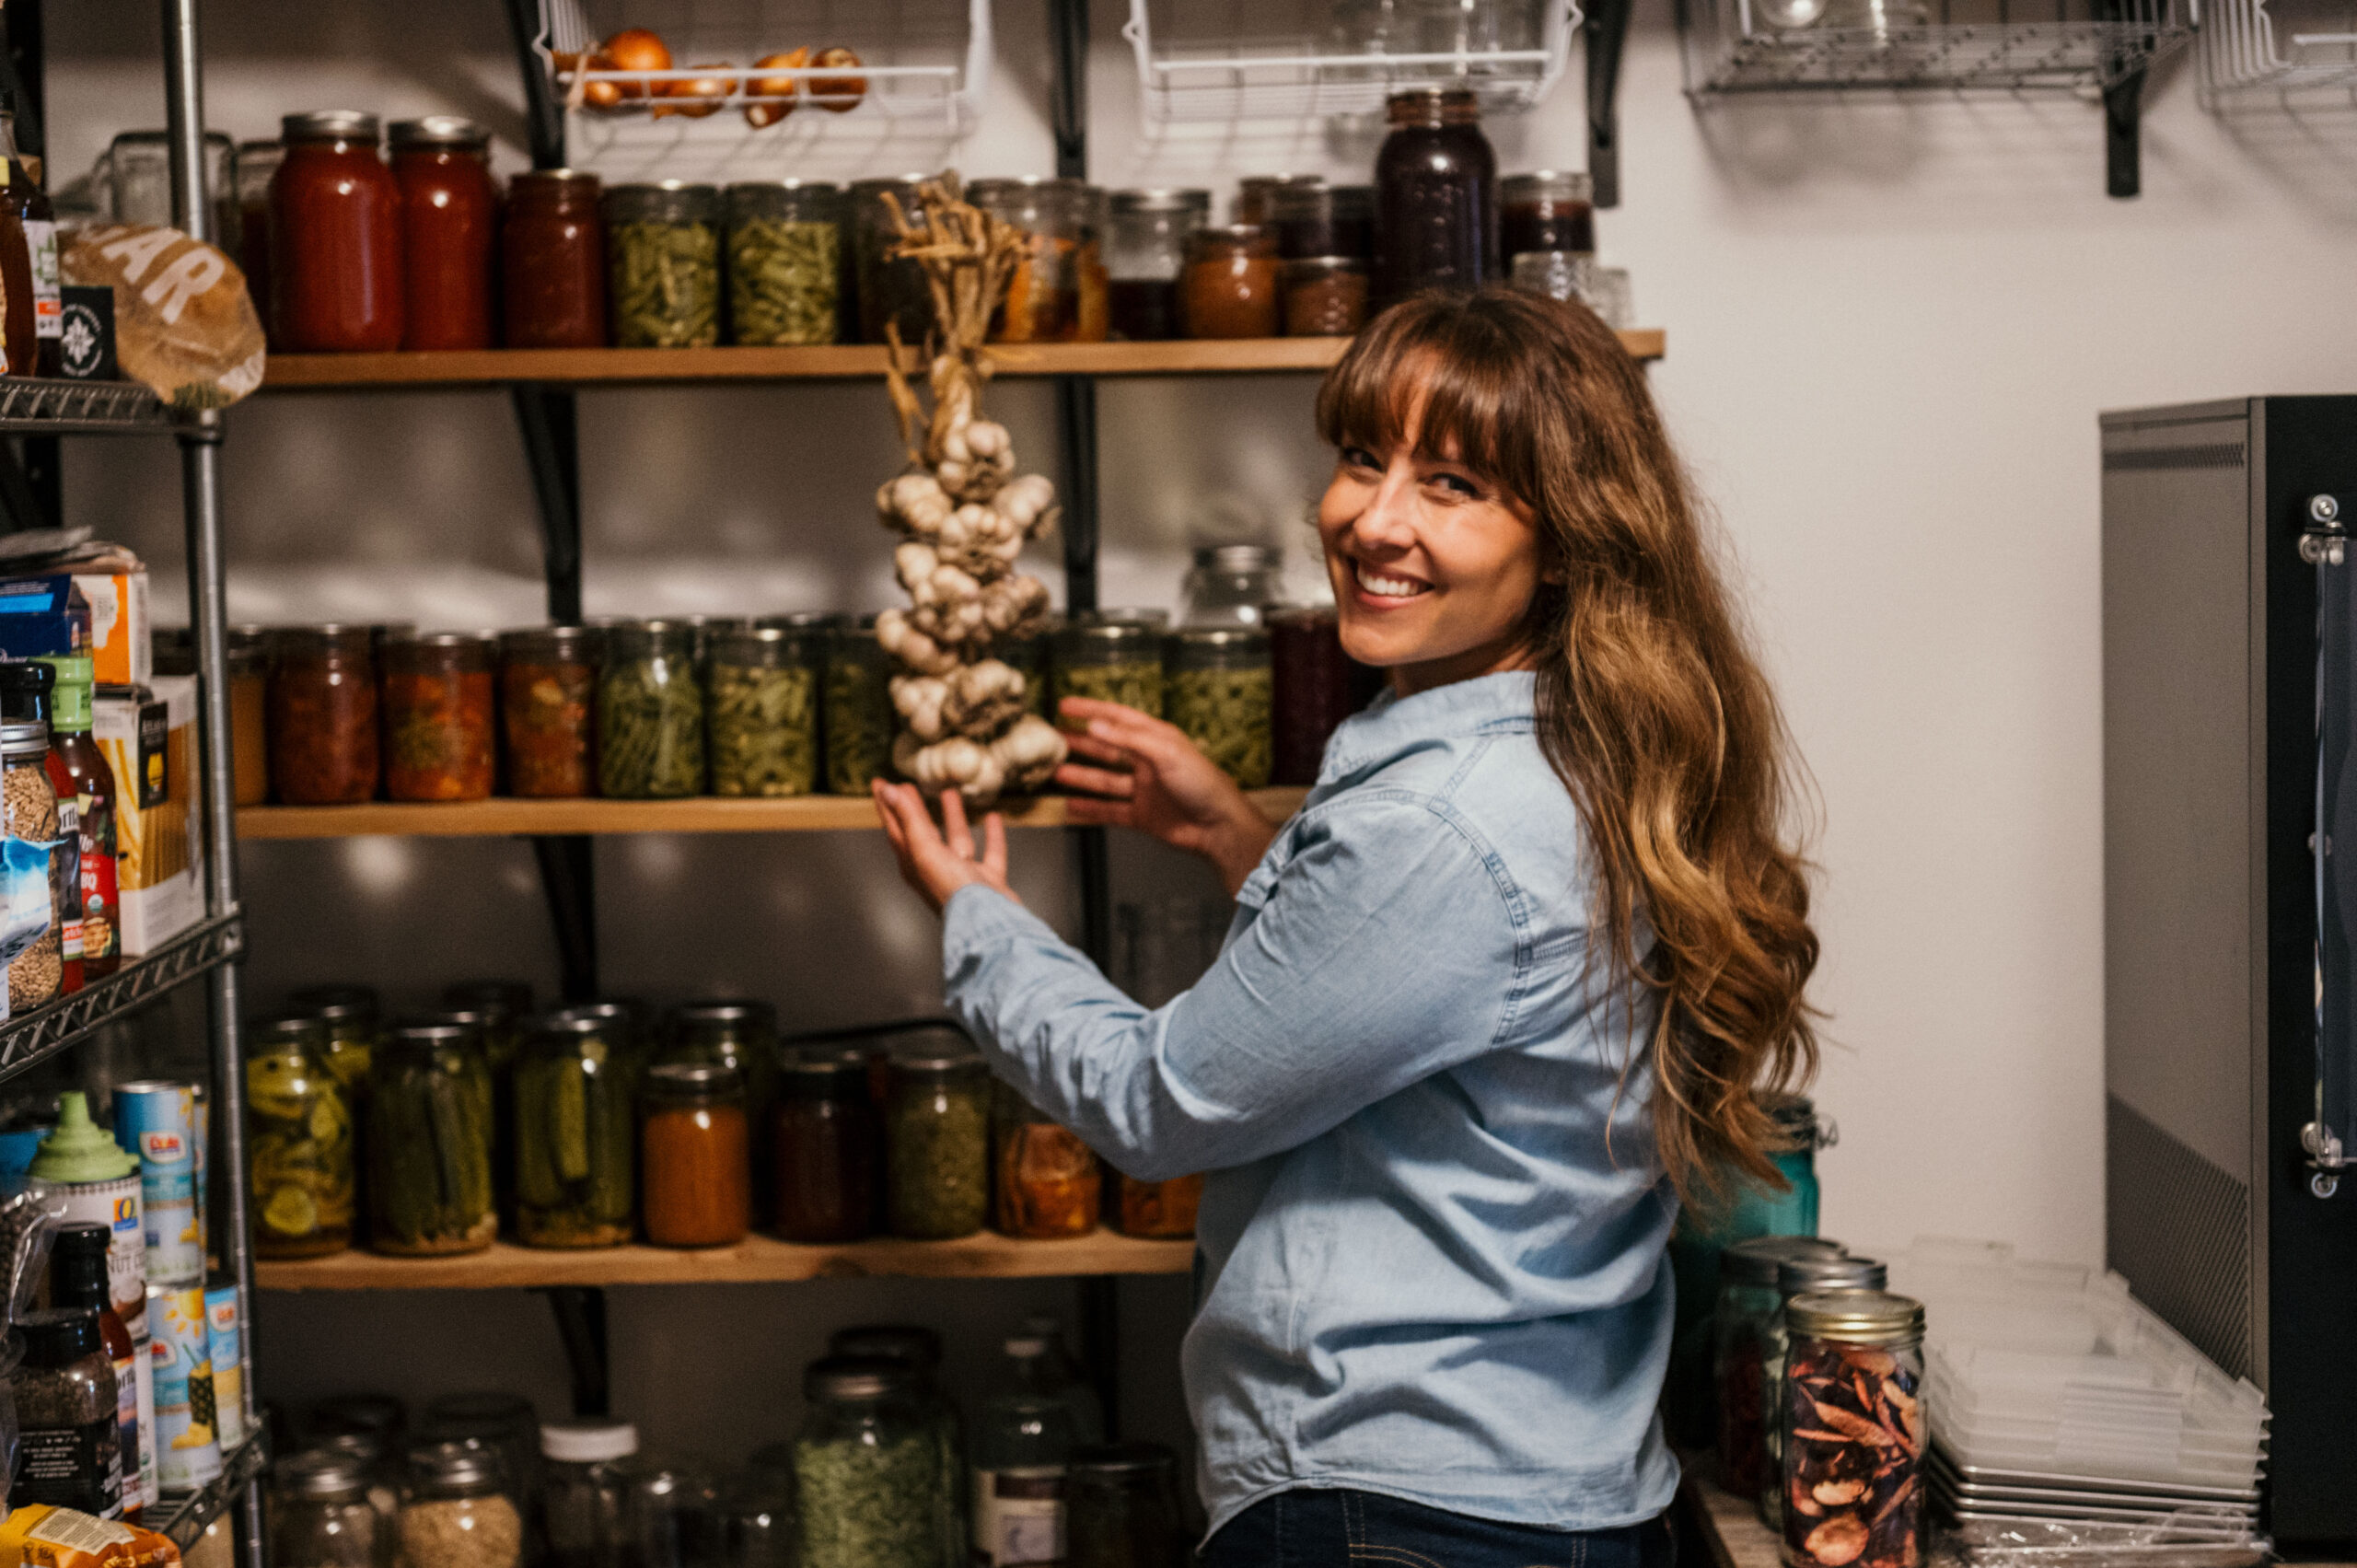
{"type": "Point", "coordinates": [857, 709]}
{"type": "Point", "coordinates": [459, 1509]}
{"type": "Point", "coordinates": [695, 1154]}
{"type": "Point", "coordinates": [323, 730]}
{"type": "Point", "coordinates": [1145, 251]}
{"type": "Point", "coordinates": [740, 1033]}
{"type": "Point", "coordinates": [1860, 1354]}
{"type": "Point", "coordinates": [548, 709]}
{"type": "Point", "coordinates": [439, 727]}
{"type": "Point", "coordinates": [892, 290]}
{"type": "Point", "coordinates": [1747, 1302]}
{"type": "Point", "coordinates": [1546, 210]}
{"type": "Point", "coordinates": [298, 1142]}
{"type": "Point", "coordinates": [29, 813]}
{"type": "Point", "coordinates": [1229, 584]}
{"type": "Point", "coordinates": [1233, 282]}
{"type": "Point", "coordinates": [761, 708]}
{"type": "Point", "coordinates": [1043, 298]}
{"type": "Point", "coordinates": [1112, 661]}
{"type": "Point", "coordinates": [430, 1188]}
{"type": "Point", "coordinates": [1798, 1276]}
{"type": "Point", "coordinates": [937, 1145]}
{"type": "Point", "coordinates": [585, 1491]}
{"type": "Point", "coordinates": [786, 262]}
{"type": "Point", "coordinates": [867, 1468]}
{"type": "Point", "coordinates": [1122, 1508]}
{"type": "Point", "coordinates": [830, 1147]}
{"type": "Point", "coordinates": [321, 1517]}
{"type": "Point", "coordinates": [650, 713]}
{"type": "Point", "coordinates": [663, 258]}
{"type": "Point", "coordinates": [573, 1132]}
{"type": "Point", "coordinates": [1046, 1181]}
{"type": "Point", "coordinates": [1216, 688]}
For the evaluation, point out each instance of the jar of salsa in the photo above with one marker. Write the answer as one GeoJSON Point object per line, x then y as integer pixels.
{"type": "Point", "coordinates": [449, 231]}
{"type": "Point", "coordinates": [1550, 210]}
{"type": "Point", "coordinates": [323, 715]}
{"type": "Point", "coordinates": [1231, 286]}
{"type": "Point", "coordinates": [254, 166]}
{"type": "Point", "coordinates": [548, 698]}
{"type": "Point", "coordinates": [438, 726]}
{"type": "Point", "coordinates": [1436, 201]}
{"type": "Point", "coordinates": [1160, 1211]}
{"type": "Point", "coordinates": [554, 252]}
{"type": "Point", "coordinates": [249, 712]}
{"type": "Point", "coordinates": [695, 1161]}
{"type": "Point", "coordinates": [336, 238]}
{"type": "Point", "coordinates": [1047, 1183]}
{"type": "Point", "coordinates": [830, 1147]}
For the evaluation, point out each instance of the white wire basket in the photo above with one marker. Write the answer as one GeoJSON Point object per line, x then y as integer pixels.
{"type": "Point", "coordinates": [1746, 46]}
{"type": "Point", "coordinates": [1249, 60]}
{"type": "Point", "coordinates": [2256, 49]}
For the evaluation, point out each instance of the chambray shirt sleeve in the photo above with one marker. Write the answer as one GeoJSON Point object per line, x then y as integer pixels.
{"type": "Point", "coordinates": [1386, 950]}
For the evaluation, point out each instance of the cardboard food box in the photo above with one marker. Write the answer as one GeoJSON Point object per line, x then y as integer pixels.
{"type": "Point", "coordinates": [103, 614]}
{"type": "Point", "coordinates": [149, 739]}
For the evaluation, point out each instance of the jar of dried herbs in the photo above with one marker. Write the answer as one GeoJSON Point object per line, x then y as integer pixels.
{"type": "Point", "coordinates": [548, 696]}
{"type": "Point", "coordinates": [937, 1145]}
{"type": "Point", "coordinates": [1852, 1419]}
{"type": "Point", "coordinates": [858, 709]}
{"type": "Point", "coordinates": [663, 250]}
{"type": "Point", "coordinates": [429, 1142]}
{"type": "Point", "coordinates": [1216, 688]}
{"type": "Point", "coordinates": [1798, 1276]}
{"type": "Point", "coordinates": [298, 1141]}
{"type": "Point", "coordinates": [573, 1133]}
{"type": "Point", "coordinates": [28, 812]}
{"type": "Point", "coordinates": [786, 262]}
{"type": "Point", "coordinates": [868, 1469]}
{"type": "Point", "coordinates": [438, 726]}
{"type": "Point", "coordinates": [919, 1349]}
{"type": "Point", "coordinates": [650, 713]}
{"type": "Point", "coordinates": [1112, 661]}
{"type": "Point", "coordinates": [1046, 1180]}
{"type": "Point", "coordinates": [322, 1517]}
{"type": "Point", "coordinates": [761, 698]}
{"type": "Point", "coordinates": [459, 1513]}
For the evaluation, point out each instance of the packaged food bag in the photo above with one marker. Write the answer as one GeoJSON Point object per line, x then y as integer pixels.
{"type": "Point", "coordinates": [40, 1536]}
{"type": "Point", "coordinates": [183, 323]}
{"type": "Point", "coordinates": [25, 905]}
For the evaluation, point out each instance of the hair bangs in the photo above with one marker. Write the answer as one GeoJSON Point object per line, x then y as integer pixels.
{"type": "Point", "coordinates": [1441, 368]}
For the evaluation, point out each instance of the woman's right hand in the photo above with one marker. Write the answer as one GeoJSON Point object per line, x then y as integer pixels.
{"type": "Point", "coordinates": [1171, 789]}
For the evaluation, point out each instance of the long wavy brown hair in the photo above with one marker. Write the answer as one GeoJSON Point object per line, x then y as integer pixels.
{"type": "Point", "coordinates": [1650, 708]}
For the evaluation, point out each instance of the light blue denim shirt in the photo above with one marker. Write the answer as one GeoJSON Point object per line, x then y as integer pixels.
{"type": "Point", "coordinates": [1431, 1245]}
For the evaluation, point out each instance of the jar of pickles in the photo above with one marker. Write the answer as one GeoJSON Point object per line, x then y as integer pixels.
{"type": "Point", "coordinates": [1046, 1180]}
{"type": "Point", "coordinates": [830, 1146]}
{"type": "Point", "coordinates": [892, 290]}
{"type": "Point", "coordinates": [695, 1157]}
{"type": "Point", "coordinates": [1852, 1417]}
{"type": "Point", "coordinates": [249, 713]}
{"type": "Point", "coordinates": [574, 1134]}
{"type": "Point", "coordinates": [1145, 251]}
{"type": "Point", "coordinates": [323, 715]}
{"type": "Point", "coordinates": [1110, 661]}
{"type": "Point", "coordinates": [1232, 284]}
{"type": "Point", "coordinates": [858, 709]}
{"type": "Point", "coordinates": [1160, 1211]}
{"type": "Point", "coordinates": [650, 713]}
{"type": "Point", "coordinates": [429, 1142]}
{"type": "Point", "coordinates": [347, 1016]}
{"type": "Point", "coordinates": [1747, 1301]}
{"type": "Point", "coordinates": [786, 262]}
{"type": "Point", "coordinates": [439, 724]}
{"type": "Point", "coordinates": [1798, 1276]}
{"type": "Point", "coordinates": [1042, 301]}
{"type": "Point", "coordinates": [762, 702]}
{"type": "Point", "coordinates": [298, 1142]}
{"type": "Point", "coordinates": [867, 1468]}
{"type": "Point", "coordinates": [1216, 688]}
{"type": "Point", "coordinates": [1325, 297]}
{"type": "Point", "coordinates": [547, 697]}
{"type": "Point", "coordinates": [937, 1145]}
{"type": "Point", "coordinates": [663, 260]}
{"type": "Point", "coordinates": [553, 251]}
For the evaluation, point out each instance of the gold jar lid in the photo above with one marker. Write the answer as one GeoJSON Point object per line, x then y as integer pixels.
{"type": "Point", "coordinates": [1855, 1316]}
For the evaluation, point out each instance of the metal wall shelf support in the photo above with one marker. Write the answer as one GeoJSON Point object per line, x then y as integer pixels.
{"type": "Point", "coordinates": [1604, 32]}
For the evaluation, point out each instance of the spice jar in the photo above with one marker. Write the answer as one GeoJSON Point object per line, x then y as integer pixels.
{"type": "Point", "coordinates": [29, 812]}
{"type": "Point", "coordinates": [1042, 302]}
{"type": "Point", "coordinates": [449, 232]}
{"type": "Point", "coordinates": [663, 258]}
{"type": "Point", "coordinates": [584, 1493]}
{"type": "Point", "coordinates": [786, 262]}
{"type": "Point", "coordinates": [429, 1142]}
{"type": "Point", "coordinates": [1323, 220]}
{"type": "Point", "coordinates": [547, 696]}
{"type": "Point", "coordinates": [322, 1517]}
{"type": "Point", "coordinates": [252, 167]}
{"type": "Point", "coordinates": [891, 290]}
{"type": "Point", "coordinates": [867, 1468]}
{"type": "Point", "coordinates": [574, 1137]}
{"type": "Point", "coordinates": [937, 1145]}
{"type": "Point", "coordinates": [438, 726]}
{"type": "Point", "coordinates": [1122, 1508]}
{"type": "Point", "coordinates": [1216, 689]}
{"type": "Point", "coordinates": [1160, 1211]}
{"type": "Point", "coordinates": [1550, 210]}
{"type": "Point", "coordinates": [1436, 203]}
{"type": "Point", "coordinates": [298, 1141]}
{"type": "Point", "coordinates": [457, 1516]}
{"type": "Point", "coordinates": [69, 1451]}
{"type": "Point", "coordinates": [553, 250]}
{"type": "Point", "coordinates": [761, 696]}
{"type": "Point", "coordinates": [695, 1158]}
{"type": "Point", "coordinates": [830, 1146]}
{"type": "Point", "coordinates": [1854, 1433]}
{"type": "Point", "coordinates": [249, 712]}
{"type": "Point", "coordinates": [1046, 1180]}
{"type": "Point", "coordinates": [1110, 661]}
{"type": "Point", "coordinates": [858, 709]}
{"type": "Point", "coordinates": [650, 713]}
{"type": "Point", "coordinates": [323, 715]}
{"type": "Point", "coordinates": [1798, 1276]}
{"type": "Point", "coordinates": [1231, 285]}
{"type": "Point", "coordinates": [336, 238]}
{"type": "Point", "coordinates": [1747, 1301]}
{"type": "Point", "coordinates": [1145, 252]}
{"type": "Point", "coordinates": [1325, 297]}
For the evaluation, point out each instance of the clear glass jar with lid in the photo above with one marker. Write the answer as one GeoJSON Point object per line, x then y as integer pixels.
{"type": "Point", "coordinates": [1747, 1300]}
{"type": "Point", "coordinates": [1216, 688]}
{"type": "Point", "coordinates": [1233, 283]}
{"type": "Point", "coordinates": [323, 730]}
{"type": "Point", "coordinates": [298, 1141]}
{"type": "Point", "coordinates": [321, 1515]}
{"type": "Point", "coordinates": [429, 1142]}
{"type": "Point", "coordinates": [1229, 584]}
{"type": "Point", "coordinates": [584, 1493]}
{"type": "Point", "coordinates": [449, 231]}
{"type": "Point", "coordinates": [1859, 1353]}
{"type": "Point", "coordinates": [1546, 210]}
{"type": "Point", "coordinates": [828, 1145]}
{"type": "Point", "coordinates": [1145, 252]}
{"type": "Point", "coordinates": [867, 1468]}
{"type": "Point", "coordinates": [574, 1139]}
{"type": "Point", "coordinates": [1436, 197]}
{"type": "Point", "coordinates": [919, 1349]}
{"type": "Point", "coordinates": [336, 273]}
{"type": "Point", "coordinates": [786, 262]}
{"type": "Point", "coordinates": [552, 250]}
{"type": "Point", "coordinates": [937, 1144]}
{"type": "Point", "coordinates": [440, 731]}
{"type": "Point", "coordinates": [1122, 1508]}
{"type": "Point", "coordinates": [761, 696]}
{"type": "Point", "coordinates": [1043, 298]}
{"type": "Point", "coordinates": [674, 1515]}
{"type": "Point", "coordinates": [891, 290]}
{"type": "Point", "coordinates": [459, 1513]}
{"type": "Point", "coordinates": [1109, 661]}
{"type": "Point", "coordinates": [857, 709]}
{"type": "Point", "coordinates": [663, 257]}
{"type": "Point", "coordinates": [1798, 1276]}
{"type": "Point", "coordinates": [28, 812]}
{"type": "Point", "coordinates": [650, 713]}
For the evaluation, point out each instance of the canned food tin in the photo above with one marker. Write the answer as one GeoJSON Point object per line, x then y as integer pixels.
{"type": "Point", "coordinates": [114, 1203]}
{"type": "Point", "coordinates": [188, 1452]}
{"type": "Point", "coordinates": [225, 1337]}
{"type": "Point", "coordinates": [157, 1121]}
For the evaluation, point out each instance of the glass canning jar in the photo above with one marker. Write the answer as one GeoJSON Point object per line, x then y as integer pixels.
{"type": "Point", "coordinates": [548, 696]}
{"type": "Point", "coordinates": [741, 1034]}
{"type": "Point", "coordinates": [30, 812]}
{"type": "Point", "coordinates": [336, 278]}
{"type": "Point", "coordinates": [1798, 1276]}
{"type": "Point", "coordinates": [1216, 688]}
{"type": "Point", "coordinates": [1436, 206]}
{"type": "Point", "coordinates": [1228, 584]}
{"type": "Point", "coordinates": [1860, 1353]}
{"type": "Point", "coordinates": [439, 729]}
{"type": "Point", "coordinates": [1159, 1211]}
{"type": "Point", "coordinates": [1145, 252]}
{"type": "Point", "coordinates": [1122, 1508]}
{"type": "Point", "coordinates": [937, 1145]}
{"type": "Point", "coordinates": [323, 733]}
{"type": "Point", "coordinates": [1027, 657]}
{"type": "Point", "coordinates": [252, 167]}
{"type": "Point", "coordinates": [347, 1016]}
{"type": "Point", "coordinates": [867, 1468]}
{"type": "Point", "coordinates": [919, 1349]}
{"type": "Point", "coordinates": [857, 709]}
{"type": "Point", "coordinates": [458, 1510]}
{"type": "Point", "coordinates": [829, 1145]}
{"type": "Point", "coordinates": [663, 261]}
{"type": "Point", "coordinates": [1232, 284]}
{"type": "Point", "coordinates": [492, 1419]}
{"type": "Point", "coordinates": [552, 256]}
{"type": "Point", "coordinates": [574, 1143]}
{"type": "Point", "coordinates": [786, 262]}
{"type": "Point", "coordinates": [449, 232]}
{"type": "Point", "coordinates": [1314, 686]}
{"type": "Point", "coordinates": [650, 713]}
{"type": "Point", "coordinates": [584, 1493]}
{"type": "Point", "coordinates": [429, 1142]}
{"type": "Point", "coordinates": [695, 1154]}
{"type": "Point", "coordinates": [1323, 220]}
{"type": "Point", "coordinates": [320, 1514]}
{"type": "Point", "coordinates": [673, 1505]}
{"type": "Point", "coordinates": [1045, 1180]}
{"type": "Point", "coordinates": [1747, 1300]}
{"type": "Point", "coordinates": [298, 1141]}
{"type": "Point", "coordinates": [762, 702]}
{"type": "Point", "coordinates": [1548, 210]}
{"type": "Point", "coordinates": [249, 713]}
{"type": "Point", "coordinates": [1112, 661]}
{"type": "Point", "coordinates": [1255, 195]}
{"type": "Point", "coordinates": [1042, 301]}
{"type": "Point", "coordinates": [1563, 275]}
{"type": "Point", "coordinates": [1325, 297]}
{"type": "Point", "coordinates": [891, 291]}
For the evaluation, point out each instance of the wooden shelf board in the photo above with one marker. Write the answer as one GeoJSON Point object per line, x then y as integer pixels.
{"type": "Point", "coordinates": [833, 362]}
{"type": "Point", "coordinates": [759, 1259]}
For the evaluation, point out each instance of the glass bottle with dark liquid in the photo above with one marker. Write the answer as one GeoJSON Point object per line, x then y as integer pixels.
{"type": "Point", "coordinates": [1145, 252]}
{"type": "Point", "coordinates": [43, 310]}
{"type": "Point", "coordinates": [1546, 211]}
{"type": "Point", "coordinates": [1436, 200]}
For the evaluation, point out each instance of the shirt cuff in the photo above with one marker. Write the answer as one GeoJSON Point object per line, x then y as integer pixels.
{"type": "Point", "coordinates": [979, 917]}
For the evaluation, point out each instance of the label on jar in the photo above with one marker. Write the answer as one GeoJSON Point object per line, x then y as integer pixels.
{"type": "Point", "coordinates": [126, 1420]}
{"type": "Point", "coordinates": [1018, 1517]}
{"type": "Point", "coordinates": [101, 938]}
{"type": "Point", "coordinates": [72, 1466]}
{"type": "Point", "coordinates": [49, 292]}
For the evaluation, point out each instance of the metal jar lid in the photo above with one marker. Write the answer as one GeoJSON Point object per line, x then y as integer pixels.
{"type": "Point", "coordinates": [501, 999]}
{"type": "Point", "coordinates": [457, 1465]}
{"type": "Point", "coordinates": [667, 201]}
{"type": "Point", "coordinates": [1547, 184]}
{"type": "Point", "coordinates": [426, 1035]}
{"type": "Point", "coordinates": [438, 131]}
{"type": "Point", "coordinates": [23, 742]}
{"type": "Point", "coordinates": [936, 1064]}
{"type": "Point", "coordinates": [642, 639]}
{"type": "Point", "coordinates": [1108, 640]}
{"type": "Point", "coordinates": [552, 644]}
{"type": "Point", "coordinates": [761, 647]}
{"type": "Point", "coordinates": [335, 1004]}
{"type": "Point", "coordinates": [824, 1071]}
{"type": "Point", "coordinates": [724, 1010]}
{"type": "Point", "coordinates": [910, 1344]}
{"type": "Point", "coordinates": [348, 637]}
{"type": "Point", "coordinates": [1754, 1262]}
{"type": "Point", "coordinates": [330, 125]}
{"type": "Point", "coordinates": [1106, 1464]}
{"type": "Point", "coordinates": [693, 1081]}
{"type": "Point", "coordinates": [1855, 1316]}
{"type": "Point", "coordinates": [554, 181]}
{"type": "Point", "coordinates": [1237, 557]}
{"type": "Point", "coordinates": [1798, 1276]}
{"type": "Point", "coordinates": [1224, 644]}
{"type": "Point", "coordinates": [323, 1476]}
{"type": "Point", "coordinates": [799, 621]}
{"type": "Point", "coordinates": [857, 1377]}
{"type": "Point", "coordinates": [285, 1030]}
{"type": "Point", "coordinates": [1161, 199]}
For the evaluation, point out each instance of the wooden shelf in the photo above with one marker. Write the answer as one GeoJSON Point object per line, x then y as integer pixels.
{"type": "Point", "coordinates": [701, 814]}
{"type": "Point", "coordinates": [759, 1259]}
{"type": "Point", "coordinates": [590, 366]}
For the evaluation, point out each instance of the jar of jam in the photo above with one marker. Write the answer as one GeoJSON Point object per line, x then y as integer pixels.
{"type": "Point", "coordinates": [1255, 195]}
{"type": "Point", "coordinates": [1314, 686]}
{"type": "Point", "coordinates": [449, 231]}
{"type": "Point", "coordinates": [1145, 252]}
{"type": "Point", "coordinates": [891, 291]}
{"type": "Point", "coordinates": [554, 255]}
{"type": "Point", "coordinates": [323, 715]}
{"type": "Point", "coordinates": [252, 167]}
{"type": "Point", "coordinates": [249, 712]}
{"type": "Point", "coordinates": [1323, 220]}
{"type": "Point", "coordinates": [1160, 1211]}
{"type": "Point", "coordinates": [1043, 297]}
{"type": "Point", "coordinates": [336, 238]}
{"type": "Point", "coordinates": [1325, 297]}
{"type": "Point", "coordinates": [547, 705]}
{"type": "Point", "coordinates": [1047, 1184]}
{"type": "Point", "coordinates": [1551, 209]}
{"type": "Point", "coordinates": [830, 1146]}
{"type": "Point", "coordinates": [438, 726]}
{"type": "Point", "coordinates": [1232, 283]}
{"type": "Point", "coordinates": [1436, 203]}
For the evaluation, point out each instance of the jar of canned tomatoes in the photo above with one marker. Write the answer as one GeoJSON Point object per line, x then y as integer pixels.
{"type": "Point", "coordinates": [336, 238]}
{"type": "Point", "coordinates": [439, 724]}
{"type": "Point", "coordinates": [554, 246]}
{"type": "Point", "coordinates": [449, 231]}
{"type": "Point", "coordinates": [323, 715]}
{"type": "Point", "coordinates": [547, 700]}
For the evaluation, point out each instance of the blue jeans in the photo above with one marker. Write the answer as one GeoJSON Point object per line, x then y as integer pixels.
{"type": "Point", "coordinates": [1318, 1527]}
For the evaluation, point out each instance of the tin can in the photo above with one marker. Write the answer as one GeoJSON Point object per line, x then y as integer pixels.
{"type": "Point", "coordinates": [203, 1168]}
{"type": "Point", "coordinates": [187, 1451]}
{"type": "Point", "coordinates": [157, 1121]}
{"type": "Point", "coordinates": [225, 1337]}
{"type": "Point", "coordinates": [115, 1204]}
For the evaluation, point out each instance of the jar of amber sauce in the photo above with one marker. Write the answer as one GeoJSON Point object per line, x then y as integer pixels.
{"type": "Point", "coordinates": [554, 255]}
{"type": "Point", "coordinates": [336, 238]}
{"type": "Point", "coordinates": [449, 231]}
{"type": "Point", "coordinates": [1231, 285]}
{"type": "Point", "coordinates": [323, 715]}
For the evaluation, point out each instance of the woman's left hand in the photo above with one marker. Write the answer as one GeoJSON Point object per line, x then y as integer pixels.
{"type": "Point", "coordinates": [936, 862]}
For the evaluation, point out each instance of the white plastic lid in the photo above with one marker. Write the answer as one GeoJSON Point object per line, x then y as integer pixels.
{"type": "Point", "coordinates": [1024, 1346]}
{"type": "Point", "coordinates": [588, 1442]}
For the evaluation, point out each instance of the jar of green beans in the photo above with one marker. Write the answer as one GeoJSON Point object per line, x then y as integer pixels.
{"type": "Point", "coordinates": [1216, 686]}
{"type": "Point", "coordinates": [650, 713]}
{"type": "Point", "coordinates": [762, 712]}
{"type": "Point", "coordinates": [784, 262]}
{"type": "Point", "coordinates": [663, 250]}
{"type": "Point", "coordinates": [1114, 661]}
{"type": "Point", "coordinates": [858, 708]}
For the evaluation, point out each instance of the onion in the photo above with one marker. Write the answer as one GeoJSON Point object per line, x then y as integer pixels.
{"type": "Point", "coordinates": [774, 95]}
{"type": "Point", "coordinates": [635, 48]}
{"type": "Point", "coordinates": [707, 92]}
{"type": "Point", "coordinates": [841, 94]}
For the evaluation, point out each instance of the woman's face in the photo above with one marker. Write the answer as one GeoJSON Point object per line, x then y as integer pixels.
{"type": "Point", "coordinates": [1432, 566]}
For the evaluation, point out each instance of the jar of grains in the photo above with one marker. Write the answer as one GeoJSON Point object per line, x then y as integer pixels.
{"type": "Point", "coordinates": [249, 712]}
{"type": "Point", "coordinates": [786, 262]}
{"type": "Point", "coordinates": [937, 1145]}
{"type": "Point", "coordinates": [1042, 301]}
{"type": "Point", "coordinates": [1161, 1211]}
{"type": "Point", "coordinates": [438, 724]}
{"type": "Point", "coordinates": [867, 1468]}
{"type": "Point", "coordinates": [762, 707]}
{"type": "Point", "coordinates": [323, 715]}
{"type": "Point", "coordinates": [574, 1137]}
{"type": "Point", "coordinates": [695, 1158]}
{"type": "Point", "coordinates": [1853, 1431]}
{"type": "Point", "coordinates": [298, 1142]}
{"type": "Point", "coordinates": [650, 713]}
{"type": "Point", "coordinates": [1122, 1508]}
{"type": "Point", "coordinates": [503, 1422]}
{"type": "Point", "coordinates": [1145, 251]}
{"type": "Point", "coordinates": [1325, 297]}
{"type": "Point", "coordinates": [663, 264]}
{"type": "Point", "coordinates": [585, 1491]}
{"type": "Point", "coordinates": [28, 812]}
{"type": "Point", "coordinates": [449, 231]}
{"type": "Point", "coordinates": [1216, 688]}
{"type": "Point", "coordinates": [1112, 661]}
{"type": "Point", "coordinates": [1798, 1276]}
{"type": "Point", "coordinates": [830, 1147]}
{"type": "Point", "coordinates": [457, 1514]}
{"type": "Point", "coordinates": [892, 291]}
{"type": "Point", "coordinates": [1747, 1300]}
{"type": "Point", "coordinates": [320, 1514]}
{"type": "Point", "coordinates": [1232, 283]}
{"type": "Point", "coordinates": [336, 238]}
{"type": "Point", "coordinates": [429, 1142]}
{"type": "Point", "coordinates": [1323, 220]}
{"type": "Point", "coordinates": [858, 709]}
{"type": "Point", "coordinates": [1046, 1181]}
{"type": "Point", "coordinates": [553, 254]}
{"type": "Point", "coordinates": [547, 696]}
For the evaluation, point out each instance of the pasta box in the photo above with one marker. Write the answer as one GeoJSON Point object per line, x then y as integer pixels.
{"type": "Point", "coordinates": [148, 734]}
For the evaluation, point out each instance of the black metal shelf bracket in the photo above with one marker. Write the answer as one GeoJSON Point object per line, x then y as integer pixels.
{"type": "Point", "coordinates": [1605, 30]}
{"type": "Point", "coordinates": [2123, 114]}
{"type": "Point", "coordinates": [581, 1323]}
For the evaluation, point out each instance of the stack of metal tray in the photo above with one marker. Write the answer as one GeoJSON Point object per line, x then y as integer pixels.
{"type": "Point", "coordinates": [1977, 1496]}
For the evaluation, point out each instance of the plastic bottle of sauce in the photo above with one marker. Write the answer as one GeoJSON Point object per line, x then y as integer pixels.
{"type": "Point", "coordinates": [39, 220]}
{"type": "Point", "coordinates": [77, 1277]}
{"type": "Point", "coordinates": [79, 770]}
